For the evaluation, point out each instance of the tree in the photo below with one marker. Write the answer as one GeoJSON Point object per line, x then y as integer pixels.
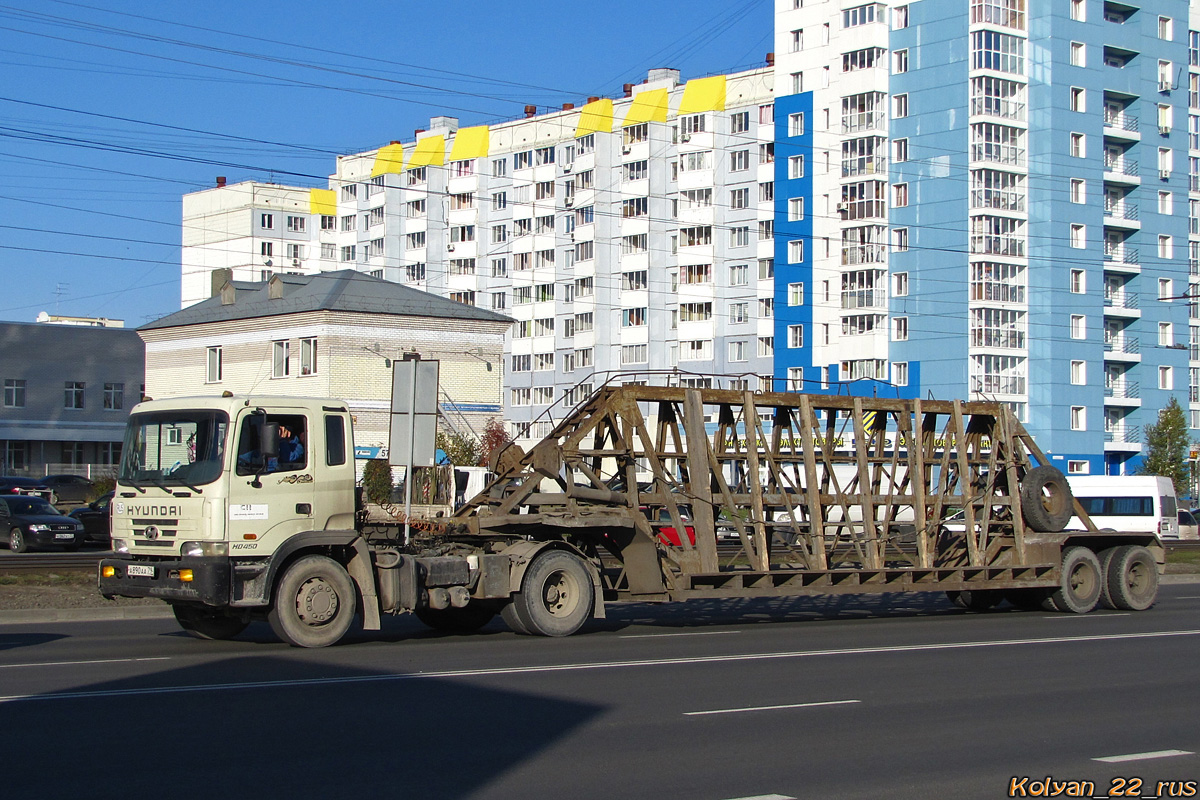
{"type": "Point", "coordinates": [1167, 446]}
{"type": "Point", "coordinates": [377, 481]}
{"type": "Point", "coordinates": [494, 437]}
{"type": "Point", "coordinates": [461, 448]}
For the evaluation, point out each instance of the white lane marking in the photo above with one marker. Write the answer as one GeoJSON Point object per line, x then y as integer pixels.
{"type": "Point", "coordinates": [769, 708]}
{"type": "Point", "coordinates": [595, 665]}
{"type": "Point", "coordinates": [78, 663]}
{"type": "Point", "coordinates": [1087, 616]}
{"type": "Point", "coordinates": [667, 635]}
{"type": "Point", "coordinates": [1189, 597]}
{"type": "Point", "coordinates": [765, 797]}
{"type": "Point", "coordinates": [1145, 756]}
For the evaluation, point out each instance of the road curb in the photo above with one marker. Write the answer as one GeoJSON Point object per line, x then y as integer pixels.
{"type": "Point", "coordinates": [39, 615]}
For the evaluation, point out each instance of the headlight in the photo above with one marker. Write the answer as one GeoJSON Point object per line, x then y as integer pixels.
{"type": "Point", "coordinates": [120, 546]}
{"type": "Point", "coordinates": [197, 549]}
{"type": "Point", "coordinates": [38, 528]}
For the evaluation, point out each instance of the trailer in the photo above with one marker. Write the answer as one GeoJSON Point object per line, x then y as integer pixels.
{"type": "Point", "coordinates": [628, 498]}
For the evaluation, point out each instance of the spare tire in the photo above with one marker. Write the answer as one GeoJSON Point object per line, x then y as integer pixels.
{"type": "Point", "coordinates": [1046, 500]}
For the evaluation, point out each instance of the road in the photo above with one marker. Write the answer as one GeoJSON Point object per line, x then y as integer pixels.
{"type": "Point", "coordinates": [893, 697]}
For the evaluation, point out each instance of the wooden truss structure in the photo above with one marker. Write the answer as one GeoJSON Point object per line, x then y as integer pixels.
{"type": "Point", "coordinates": [813, 493]}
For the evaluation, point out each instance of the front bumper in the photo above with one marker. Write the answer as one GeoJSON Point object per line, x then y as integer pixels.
{"type": "Point", "coordinates": [41, 539]}
{"type": "Point", "coordinates": [210, 584]}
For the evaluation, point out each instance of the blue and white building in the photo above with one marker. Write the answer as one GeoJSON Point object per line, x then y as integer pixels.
{"type": "Point", "coordinates": [991, 199]}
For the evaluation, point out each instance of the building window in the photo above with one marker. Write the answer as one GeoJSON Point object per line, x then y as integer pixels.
{"type": "Point", "coordinates": [1078, 145]}
{"type": "Point", "coordinates": [114, 396]}
{"type": "Point", "coordinates": [900, 373]}
{"type": "Point", "coordinates": [900, 329]}
{"type": "Point", "coordinates": [1078, 11]}
{"type": "Point", "coordinates": [796, 167]}
{"type": "Point", "coordinates": [1078, 326]}
{"type": "Point", "coordinates": [900, 150]}
{"type": "Point", "coordinates": [296, 224]}
{"type": "Point", "coordinates": [900, 284]}
{"type": "Point", "coordinates": [1165, 289]}
{"type": "Point", "coordinates": [1166, 204]}
{"type": "Point", "coordinates": [1075, 467]}
{"type": "Point", "coordinates": [14, 393]}
{"type": "Point", "coordinates": [266, 249]}
{"type": "Point", "coordinates": [795, 379]}
{"type": "Point", "coordinates": [267, 221]}
{"type": "Point", "coordinates": [308, 356]}
{"type": "Point", "coordinates": [796, 251]}
{"type": "Point", "coordinates": [1078, 190]}
{"type": "Point", "coordinates": [899, 17]}
{"type": "Point", "coordinates": [215, 366]}
{"type": "Point", "coordinates": [900, 240]}
{"type": "Point", "coordinates": [900, 61]}
{"type": "Point", "coordinates": [1166, 247]}
{"type": "Point", "coordinates": [899, 195]}
{"type": "Point", "coordinates": [1166, 335]}
{"type": "Point", "coordinates": [795, 209]}
{"type": "Point", "coordinates": [1078, 236]}
{"type": "Point", "coordinates": [1078, 281]}
{"type": "Point", "coordinates": [1078, 418]}
{"type": "Point", "coordinates": [1166, 28]}
{"type": "Point", "coordinates": [73, 394]}
{"type": "Point", "coordinates": [795, 294]}
{"type": "Point", "coordinates": [1079, 373]}
{"type": "Point", "coordinates": [899, 106]}
{"type": "Point", "coordinates": [1166, 378]}
{"type": "Point", "coordinates": [1078, 54]}
{"type": "Point", "coordinates": [280, 364]}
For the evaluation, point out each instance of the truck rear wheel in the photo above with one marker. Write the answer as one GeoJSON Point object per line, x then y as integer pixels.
{"type": "Point", "coordinates": [471, 618]}
{"type": "Point", "coordinates": [556, 595]}
{"type": "Point", "coordinates": [207, 623]}
{"type": "Point", "coordinates": [1080, 583]}
{"type": "Point", "coordinates": [314, 603]}
{"type": "Point", "coordinates": [1130, 578]}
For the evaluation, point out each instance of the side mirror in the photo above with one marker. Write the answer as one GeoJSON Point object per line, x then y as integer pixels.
{"type": "Point", "coordinates": [269, 440]}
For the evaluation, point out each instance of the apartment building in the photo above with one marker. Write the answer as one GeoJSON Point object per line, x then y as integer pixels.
{"type": "Point", "coordinates": [980, 199]}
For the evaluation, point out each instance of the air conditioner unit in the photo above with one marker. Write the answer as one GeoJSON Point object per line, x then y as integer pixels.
{"type": "Point", "coordinates": [569, 201]}
{"type": "Point", "coordinates": [1164, 85]}
{"type": "Point", "coordinates": [567, 167]}
{"type": "Point", "coordinates": [450, 248]}
{"type": "Point", "coordinates": [1164, 174]}
{"type": "Point", "coordinates": [295, 262]}
{"type": "Point", "coordinates": [1164, 130]}
{"type": "Point", "coordinates": [687, 137]}
{"type": "Point", "coordinates": [625, 150]}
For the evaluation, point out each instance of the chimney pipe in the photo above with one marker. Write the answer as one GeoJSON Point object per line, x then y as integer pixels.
{"type": "Point", "coordinates": [593, 99]}
{"type": "Point", "coordinates": [530, 111]}
{"type": "Point", "coordinates": [770, 59]}
{"type": "Point", "coordinates": [628, 89]}
{"type": "Point", "coordinates": [568, 106]}
{"type": "Point", "coordinates": [220, 181]}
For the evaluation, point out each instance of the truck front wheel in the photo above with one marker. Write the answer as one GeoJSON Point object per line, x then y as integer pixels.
{"type": "Point", "coordinates": [314, 603]}
{"type": "Point", "coordinates": [208, 624]}
{"type": "Point", "coordinates": [556, 596]}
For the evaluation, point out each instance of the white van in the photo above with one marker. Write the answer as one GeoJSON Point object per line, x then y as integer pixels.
{"type": "Point", "coordinates": [1127, 503]}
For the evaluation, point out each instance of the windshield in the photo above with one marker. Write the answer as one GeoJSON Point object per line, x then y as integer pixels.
{"type": "Point", "coordinates": [174, 448]}
{"type": "Point", "coordinates": [30, 505]}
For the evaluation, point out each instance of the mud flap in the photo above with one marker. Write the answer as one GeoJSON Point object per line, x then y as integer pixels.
{"type": "Point", "coordinates": [360, 570]}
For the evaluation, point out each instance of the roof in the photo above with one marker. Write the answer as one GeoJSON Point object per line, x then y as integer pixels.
{"type": "Point", "coordinates": [344, 290]}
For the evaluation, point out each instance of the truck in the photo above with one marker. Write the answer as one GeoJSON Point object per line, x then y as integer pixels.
{"type": "Point", "coordinates": [623, 501]}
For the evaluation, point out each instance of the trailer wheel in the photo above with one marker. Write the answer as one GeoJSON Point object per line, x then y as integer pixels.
{"type": "Point", "coordinates": [1081, 582]}
{"type": "Point", "coordinates": [314, 603]}
{"type": "Point", "coordinates": [1131, 578]}
{"type": "Point", "coordinates": [556, 595]}
{"type": "Point", "coordinates": [1046, 501]}
{"type": "Point", "coordinates": [208, 624]}
{"type": "Point", "coordinates": [975, 599]}
{"type": "Point", "coordinates": [471, 618]}
{"type": "Point", "coordinates": [508, 613]}
{"type": "Point", "coordinates": [1026, 599]}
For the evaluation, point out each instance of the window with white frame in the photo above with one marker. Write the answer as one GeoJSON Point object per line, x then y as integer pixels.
{"type": "Point", "coordinates": [280, 363]}
{"type": "Point", "coordinates": [1166, 204]}
{"type": "Point", "coordinates": [795, 209]}
{"type": "Point", "coordinates": [796, 294]}
{"type": "Point", "coordinates": [1166, 246]}
{"type": "Point", "coordinates": [1078, 418]}
{"type": "Point", "coordinates": [308, 355]}
{"type": "Point", "coordinates": [796, 124]}
{"type": "Point", "coordinates": [1166, 335]}
{"type": "Point", "coordinates": [900, 284]}
{"type": "Point", "coordinates": [1166, 28]}
{"type": "Point", "coordinates": [1078, 99]}
{"type": "Point", "coordinates": [1079, 373]}
{"type": "Point", "coordinates": [796, 167]}
{"type": "Point", "coordinates": [1165, 289]}
{"type": "Point", "coordinates": [1078, 326]}
{"type": "Point", "coordinates": [796, 251]}
{"type": "Point", "coordinates": [1166, 378]}
{"type": "Point", "coordinates": [214, 365]}
{"type": "Point", "coordinates": [900, 61]}
{"type": "Point", "coordinates": [900, 329]}
{"type": "Point", "coordinates": [899, 240]}
{"type": "Point", "coordinates": [1078, 467]}
{"type": "Point", "coordinates": [1078, 10]}
{"type": "Point", "coordinates": [1078, 236]}
{"type": "Point", "coordinates": [1078, 54]}
{"type": "Point", "coordinates": [1078, 281]}
{"type": "Point", "coordinates": [900, 373]}
{"type": "Point", "coordinates": [1078, 190]}
{"type": "Point", "coordinates": [900, 106]}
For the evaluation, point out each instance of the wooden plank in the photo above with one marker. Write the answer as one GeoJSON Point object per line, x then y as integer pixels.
{"type": "Point", "coordinates": [699, 451]}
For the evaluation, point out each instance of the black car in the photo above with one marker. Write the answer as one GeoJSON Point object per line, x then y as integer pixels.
{"type": "Point", "coordinates": [95, 520]}
{"type": "Point", "coordinates": [34, 486]}
{"type": "Point", "coordinates": [33, 522]}
{"type": "Point", "coordinates": [69, 488]}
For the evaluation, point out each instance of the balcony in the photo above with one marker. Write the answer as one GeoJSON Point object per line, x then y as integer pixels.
{"type": "Point", "coordinates": [1119, 258]}
{"type": "Point", "coordinates": [1122, 303]}
{"type": "Point", "coordinates": [997, 107]}
{"type": "Point", "coordinates": [998, 384]}
{"type": "Point", "coordinates": [1123, 434]}
{"type": "Point", "coordinates": [1121, 214]}
{"type": "Point", "coordinates": [1122, 393]}
{"type": "Point", "coordinates": [1121, 126]}
{"type": "Point", "coordinates": [1009, 246]}
{"type": "Point", "coordinates": [999, 199]}
{"type": "Point", "coordinates": [1122, 348]}
{"type": "Point", "coordinates": [864, 254]}
{"type": "Point", "coordinates": [1121, 170]}
{"type": "Point", "coordinates": [1009, 155]}
{"type": "Point", "coordinates": [864, 298]}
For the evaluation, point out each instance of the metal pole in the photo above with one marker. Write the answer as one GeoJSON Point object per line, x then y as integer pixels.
{"type": "Point", "coordinates": [412, 433]}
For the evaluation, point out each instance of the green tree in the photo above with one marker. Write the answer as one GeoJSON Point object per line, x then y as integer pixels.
{"type": "Point", "coordinates": [377, 481]}
{"type": "Point", "coordinates": [1167, 446]}
{"type": "Point", "coordinates": [461, 448]}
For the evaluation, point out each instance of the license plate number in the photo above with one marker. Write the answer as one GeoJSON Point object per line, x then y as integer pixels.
{"type": "Point", "coordinates": [64, 536]}
{"type": "Point", "coordinates": [140, 570]}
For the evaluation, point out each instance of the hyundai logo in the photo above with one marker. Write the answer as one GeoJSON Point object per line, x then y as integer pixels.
{"type": "Point", "coordinates": [152, 532]}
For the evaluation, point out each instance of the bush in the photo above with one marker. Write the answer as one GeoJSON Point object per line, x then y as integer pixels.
{"type": "Point", "coordinates": [377, 481]}
{"type": "Point", "coordinates": [101, 485]}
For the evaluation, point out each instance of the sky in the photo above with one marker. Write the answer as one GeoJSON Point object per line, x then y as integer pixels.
{"type": "Point", "coordinates": [112, 110]}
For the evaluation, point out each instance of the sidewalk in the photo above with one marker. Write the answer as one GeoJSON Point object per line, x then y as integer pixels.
{"type": "Point", "coordinates": [41, 615]}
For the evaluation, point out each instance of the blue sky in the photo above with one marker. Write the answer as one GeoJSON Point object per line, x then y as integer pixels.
{"type": "Point", "coordinates": [111, 110]}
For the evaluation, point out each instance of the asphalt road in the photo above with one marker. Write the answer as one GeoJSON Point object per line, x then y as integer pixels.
{"type": "Point", "coordinates": [893, 697]}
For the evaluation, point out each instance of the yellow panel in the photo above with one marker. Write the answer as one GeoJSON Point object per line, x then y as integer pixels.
{"type": "Point", "coordinates": [390, 158]}
{"type": "Point", "coordinates": [322, 201]}
{"type": "Point", "coordinates": [470, 143]}
{"type": "Point", "coordinates": [703, 94]}
{"type": "Point", "coordinates": [595, 116]}
{"type": "Point", "coordinates": [648, 106]}
{"type": "Point", "coordinates": [430, 151]}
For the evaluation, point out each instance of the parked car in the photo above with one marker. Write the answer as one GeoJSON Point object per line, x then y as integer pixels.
{"type": "Point", "coordinates": [33, 522]}
{"type": "Point", "coordinates": [96, 520]}
{"type": "Point", "coordinates": [14, 485]}
{"type": "Point", "coordinates": [69, 488]}
{"type": "Point", "coordinates": [1188, 528]}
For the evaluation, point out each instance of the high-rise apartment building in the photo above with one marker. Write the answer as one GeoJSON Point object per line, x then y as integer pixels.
{"type": "Point", "coordinates": [982, 199]}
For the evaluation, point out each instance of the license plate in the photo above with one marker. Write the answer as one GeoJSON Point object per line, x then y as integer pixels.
{"type": "Point", "coordinates": [140, 570]}
{"type": "Point", "coordinates": [64, 536]}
